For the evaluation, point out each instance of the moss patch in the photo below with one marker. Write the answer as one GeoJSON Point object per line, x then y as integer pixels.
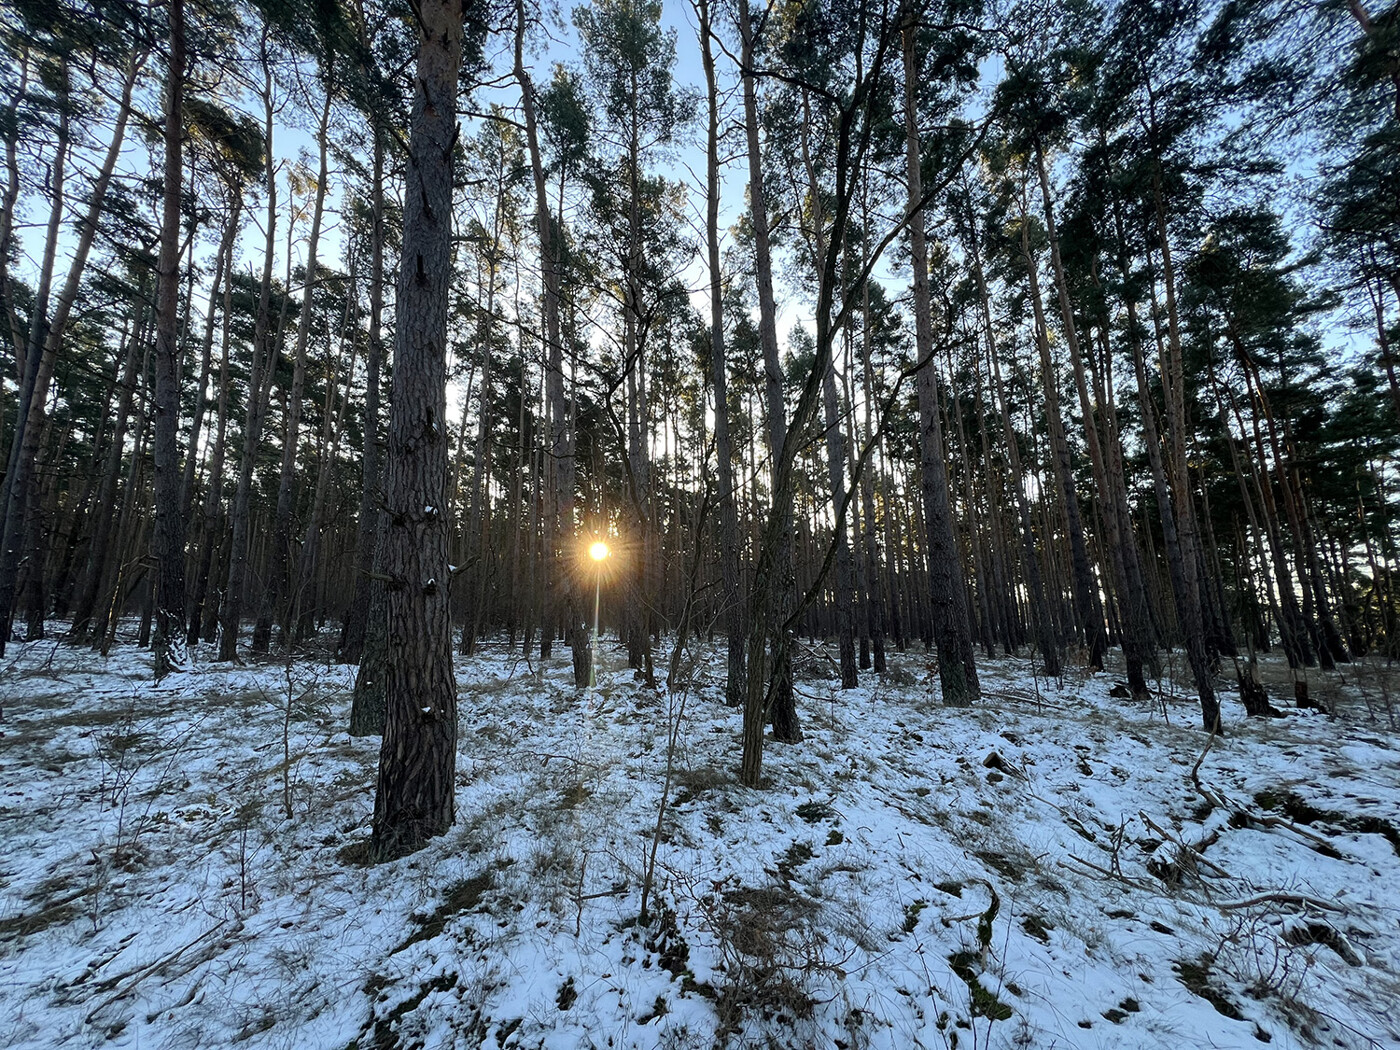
{"type": "Point", "coordinates": [984, 1003]}
{"type": "Point", "coordinates": [1037, 927]}
{"type": "Point", "coordinates": [911, 915]}
{"type": "Point", "coordinates": [1300, 811]}
{"type": "Point", "coordinates": [459, 897]}
{"type": "Point", "coordinates": [815, 812]}
{"type": "Point", "coordinates": [1195, 975]}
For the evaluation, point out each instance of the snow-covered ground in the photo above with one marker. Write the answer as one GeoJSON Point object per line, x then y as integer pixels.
{"type": "Point", "coordinates": [183, 865]}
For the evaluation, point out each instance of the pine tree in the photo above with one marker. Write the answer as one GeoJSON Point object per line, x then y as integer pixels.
{"type": "Point", "coordinates": [415, 796]}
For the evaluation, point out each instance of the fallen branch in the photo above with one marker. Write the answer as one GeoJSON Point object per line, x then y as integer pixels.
{"type": "Point", "coordinates": [1181, 844]}
{"type": "Point", "coordinates": [1214, 798]}
{"type": "Point", "coordinates": [1019, 698]}
{"type": "Point", "coordinates": [1141, 884]}
{"type": "Point", "coordinates": [141, 973]}
{"type": "Point", "coordinates": [1288, 825]}
{"type": "Point", "coordinates": [1280, 898]}
{"type": "Point", "coordinates": [1221, 802]}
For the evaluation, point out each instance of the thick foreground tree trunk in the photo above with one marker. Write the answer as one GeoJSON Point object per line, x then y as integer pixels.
{"type": "Point", "coordinates": [168, 537]}
{"type": "Point", "coordinates": [418, 759]}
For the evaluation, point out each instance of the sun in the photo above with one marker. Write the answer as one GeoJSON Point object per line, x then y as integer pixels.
{"type": "Point", "coordinates": [598, 551]}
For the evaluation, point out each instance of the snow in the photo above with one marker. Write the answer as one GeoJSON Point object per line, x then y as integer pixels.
{"type": "Point", "coordinates": [909, 876]}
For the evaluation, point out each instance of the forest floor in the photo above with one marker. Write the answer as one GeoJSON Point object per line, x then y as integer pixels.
{"type": "Point", "coordinates": [182, 865]}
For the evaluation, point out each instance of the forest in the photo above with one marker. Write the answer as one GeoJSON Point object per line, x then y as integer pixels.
{"type": "Point", "coordinates": [772, 358]}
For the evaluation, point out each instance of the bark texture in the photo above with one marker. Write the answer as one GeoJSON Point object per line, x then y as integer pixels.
{"type": "Point", "coordinates": [168, 535]}
{"type": "Point", "coordinates": [417, 761]}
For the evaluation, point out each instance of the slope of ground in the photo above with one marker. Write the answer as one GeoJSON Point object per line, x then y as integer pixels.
{"type": "Point", "coordinates": [182, 866]}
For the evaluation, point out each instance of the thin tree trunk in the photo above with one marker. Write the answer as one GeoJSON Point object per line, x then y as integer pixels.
{"type": "Point", "coordinates": [733, 612]}
{"type": "Point", "coordinates": [1136, 638]}
{"type": "Point", "coordinates": [231, 612]}
{"type": "Point", "coordinates": [369, 523]}
{"type": "Point", "coordinates": [129, 534]}
{"type": "Point", "coordinates": [1087, 607]}
{"type": "Point", "coordinates": [35, 366]}
{"type": "Point", "coordinates": [957, 667]}
{"type": "Point", "coordinates": [782, 706]}
{"type": "Point", "coordinates": [223, 263]}
{"type": "Point", "coordinates": [479, 521]}
{"type": "Point", "coordinates": [36, 518]}
{"type": "Point", "coordinates": [104, 520]}
{"type": "Point", "coordinates": [1102, 378]}
{"type": "Point", "coordinates": [875, 582]}
{"type": "Point", "coordinates": [835, 461]}
{"type": "Point", "coordinates": [1173, 385]}
{"type": "Point", "coordinates": [836, 473]}
{"type": "Point", "coordinates": [212, 510]}
{"type": "Point", "coordinates": [562, 531]}
{"type": "Point", "coordinates": [12, 328]}
{"type": "Point", "coordinates": [46, 336]}
{"type": "Point", "coordinates": [975, 538]}
{"type": "Point", "coordinates": [278, 586]}
{"type": "Point", "coordinates": [304, 606]}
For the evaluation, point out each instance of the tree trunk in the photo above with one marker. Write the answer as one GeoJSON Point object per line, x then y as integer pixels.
{"type": "Point", "coordinates": [979, 583]}
{"type": "Point", "coordinates": [168, 535]}
{"type": "Point", "coordinates": [367, 701]}
{"type": "Point", "coordinates": [34, 368]}
{"type": "Point", "coordinates": [304, 605]}
{"type": "Point", "coordinates": [212, 511]}
{"type": "Point", "coordinates": [1173, 388]}
{"type": "Point", "coordinates": [1136, 636]}
{"type": "Point", "coordinates": [562, 532]}
{"type": "Point", "coordinates": [231, 611]}
{"type": "Point", "coordinates": [223, 263]}
{"type": "Point", "coordinates": [1102, 378]}
{"type": "Point", "coordinates": [1087, 607]}
{"type": "Point", "coordinates": [875, 578]}
{"type": "Point", "coordinates": [479, 521]}
{"type": "Point", "coordinates": [783, 708]}
{"type": "Point", "coordinates": [733, 613]}
{"type": "Point", "coordinates": [276, 590]}
{"type": "Point", "coordinates": [417, 762]}
{"type": "Point", "coordinates": [9, 316]}
{"type": "Point", "coordinates": [957, 668]}
{"type": "Point", "coordinates": [368, 525]}
{"type": "Point", "coordinates": [106, 510]}
{"type": "Point", "coordinates": [836, 473]}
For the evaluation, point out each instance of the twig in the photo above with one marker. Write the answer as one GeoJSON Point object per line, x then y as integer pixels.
{"type": "Point", "coordinates": [1210, 796]}
{"type": "Point", "coordinates": [141, 973]}
{"type": "Point", "coordinates": [1020, 699]}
